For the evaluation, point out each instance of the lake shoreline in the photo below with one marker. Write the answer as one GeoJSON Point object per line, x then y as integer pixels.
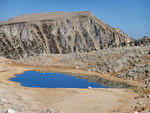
{"type": "Point", "coordinates": [61, 99]}
{"type": "Point", "coordinates": [21, 68]}
{"type": "Point", "coordinates": [54, 80]}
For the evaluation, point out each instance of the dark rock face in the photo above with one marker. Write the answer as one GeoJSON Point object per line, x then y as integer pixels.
{"type": "Point", "coordinates": [77, 32]}
{"type": "Point", "coordinates": [145, 41]}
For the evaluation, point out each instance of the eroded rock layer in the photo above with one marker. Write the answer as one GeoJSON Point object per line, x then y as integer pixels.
{"type": "Point", "coordinates": [60, 33]}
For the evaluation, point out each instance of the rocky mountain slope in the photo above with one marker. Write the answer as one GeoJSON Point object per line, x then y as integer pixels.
{"type": "Point", "coordinates": [57, 33]}
{"type": "Point", "coordinates": [145, 41]}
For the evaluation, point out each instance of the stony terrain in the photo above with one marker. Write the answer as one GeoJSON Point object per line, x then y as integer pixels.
{"type": "Point", "coordinates": [81, 45]}
{"type": "Point", "coordinates": [57, 34]}
{"type": "Point", "coordinates": [30, 100]}
{"type": "Point", "coordinates": [124, 62]}
{"type": "Point", "coordinates": [142, 42]}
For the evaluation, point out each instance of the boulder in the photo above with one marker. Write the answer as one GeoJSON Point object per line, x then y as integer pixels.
{"type": "Point", "coordinates": [10, 111]}
{"type": "Point", "coordinates": [2, 101]}
{"type": "Point", "coordinates": [48, 111]}
{"type": "Point", "coordinates": [89, 87]}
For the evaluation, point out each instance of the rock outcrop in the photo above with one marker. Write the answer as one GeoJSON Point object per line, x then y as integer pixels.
{"type": "Point", "coordinates": [57, 33]}
{"type": "Point", "coordinates": [145, 41]}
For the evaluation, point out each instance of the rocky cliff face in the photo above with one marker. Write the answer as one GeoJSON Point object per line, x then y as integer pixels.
{"type": "Point", "coordinates": [145, 41]}
{"type": "Point", "coordinates": [57, 33]}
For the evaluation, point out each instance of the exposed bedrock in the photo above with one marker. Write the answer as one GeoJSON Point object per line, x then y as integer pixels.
{"type": "Point", "coordinates": [145, 41]}
{"type": "Point", "coordinates": [57, 33]}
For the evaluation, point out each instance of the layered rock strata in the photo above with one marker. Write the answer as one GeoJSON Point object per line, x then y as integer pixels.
{"type": "Point", "coordinates": [57, 33]}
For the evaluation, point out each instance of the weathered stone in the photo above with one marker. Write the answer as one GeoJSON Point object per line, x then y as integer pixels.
{"type": "Point", "coordinates": [89, 87]}
{"type": "Point", "coordinates": [59, 34]}
{"type": "Point", "coordinates": [60, 112]}
{"type": "Point", "coordinates": [48, 111]}
{"type": "Point", "coordinates": [136, 112]}
{"type": "Point", "coordinates": [142, 42]}
{"type": "Point", "coordinates": [2, 101]}
{"type": "Point", "coordinates": [16, 108]}
{"type": "Point", "coordinates": [148, 75]}
{"type": "Point", "coordinates": [10, 111]}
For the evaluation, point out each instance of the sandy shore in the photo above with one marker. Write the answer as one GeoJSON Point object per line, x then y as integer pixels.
{"type": "Point", "coordinates": [68, 100]}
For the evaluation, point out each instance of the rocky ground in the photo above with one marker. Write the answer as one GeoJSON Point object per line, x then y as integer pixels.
{"type": "Point", "coordinates": [125, 62]}
{"type": "Point", "coordinates": [81, 45]}
{"type": "Point", "coordinates": [128, 65]}
{"type": "Point", "coordinates": [18, 99]}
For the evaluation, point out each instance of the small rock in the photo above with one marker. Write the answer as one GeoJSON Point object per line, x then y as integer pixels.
{"type": "Point", "coordinates": [10, 111]}
{"type": "Point", "coordinates": [77, 67]}
{"type": "Point", "coordinates": [138, 103]}
{"type": "Point", "coordinates": [2, 101]}
{"type": "Point", "coordinates": [136, 97]}
{"type": "Point", "coordinates": [89, 87]}
{"type": "Point", "coordinates": [48, 111]}
{"type": "Point", "coordinates": [60, 112]}
{"type": "Point", "coordinates": [119, 75]}
{"type": "Point", "coordinates": [147, 74]}
{"type": "Point", "coordinates": [16, 108]}
{"type": "Point", "coordinates": [148, 96]}
{"type": "Point", "coordinates": [141, 109]}
{"type": "Point", "coordinates": [142, 96]}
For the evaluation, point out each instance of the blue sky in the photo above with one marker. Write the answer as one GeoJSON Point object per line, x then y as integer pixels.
{"type": "Point", "coordinates": [131, 16]}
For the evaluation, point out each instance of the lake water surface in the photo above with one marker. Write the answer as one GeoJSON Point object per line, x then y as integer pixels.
{"type": "Point", "coordinates": [52, 80]}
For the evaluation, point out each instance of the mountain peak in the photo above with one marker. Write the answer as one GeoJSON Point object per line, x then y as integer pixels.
{"type": "Point", "coordinates": [48, 15]}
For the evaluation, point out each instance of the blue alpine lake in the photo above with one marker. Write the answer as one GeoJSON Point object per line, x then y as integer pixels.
{"type": "Point", "coordinates": [52, 80]}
